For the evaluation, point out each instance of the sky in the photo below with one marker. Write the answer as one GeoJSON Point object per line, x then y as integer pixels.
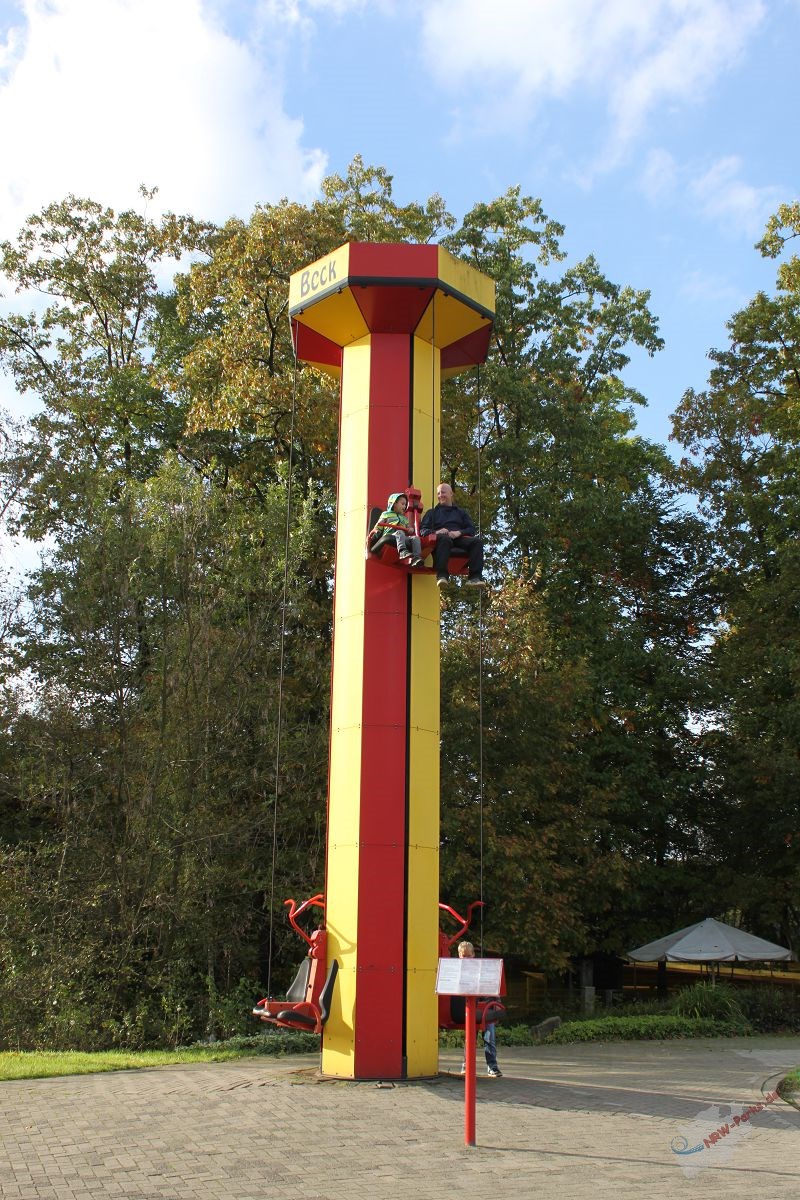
{"type": "Point", "coordinates": [661, 133]}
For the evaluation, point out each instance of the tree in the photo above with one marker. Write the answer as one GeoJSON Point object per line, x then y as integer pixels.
{"type": "Point", "coordinates": [136, 818]}
{"type": "Point", "coordinates": [589, 518]}
{"type": "Point", "coordinates": [742, 437]}
{"type": "Point", "coordinates": [140, 788]}
{"type": "Point", "coordinates": [139, 779]}
{"type": "Point", "coordinates": [88, 354]}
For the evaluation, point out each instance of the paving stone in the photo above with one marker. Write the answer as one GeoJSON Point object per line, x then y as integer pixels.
{"type": "Point", "coordinates": [577, 1121]}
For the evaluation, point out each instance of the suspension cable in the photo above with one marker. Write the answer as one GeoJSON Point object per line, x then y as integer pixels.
{"type": "Point", "coordinates": [480, 654]}
{"type": "Point", "coordinates": [281, 665]}
{"type": "Point", "coordinates": [433, 400]}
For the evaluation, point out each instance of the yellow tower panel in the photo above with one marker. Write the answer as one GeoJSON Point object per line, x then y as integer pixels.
{"type": "Point", "coordinates": [346, 712]}
{"type": "Point", "coordinates": [422, 1045]}
{"type": "Point", "coordinates": [472, 285]}
{"type": "Point", "coordinates": [425, 420]}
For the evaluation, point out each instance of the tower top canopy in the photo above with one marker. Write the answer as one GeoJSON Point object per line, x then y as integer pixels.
{"type": "Point", "coordinates": [370, 287]}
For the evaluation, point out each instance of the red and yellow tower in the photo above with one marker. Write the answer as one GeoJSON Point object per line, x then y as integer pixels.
{"type": "Point", "coordinates": [390, 321]}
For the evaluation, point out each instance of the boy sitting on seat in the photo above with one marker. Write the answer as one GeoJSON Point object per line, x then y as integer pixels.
{"type": "Point", "coordinates": [395, 522]}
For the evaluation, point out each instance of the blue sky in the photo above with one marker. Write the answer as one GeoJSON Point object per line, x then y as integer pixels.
{"type": "Point", "coordinates": [661, 133]}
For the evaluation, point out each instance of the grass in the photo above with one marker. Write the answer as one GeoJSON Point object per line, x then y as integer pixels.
{"type": "Point", "coordinates": [43, 1064]}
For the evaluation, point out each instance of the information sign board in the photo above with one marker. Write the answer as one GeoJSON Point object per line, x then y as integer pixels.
{"type": "Point", "coordinates": [469, 977]}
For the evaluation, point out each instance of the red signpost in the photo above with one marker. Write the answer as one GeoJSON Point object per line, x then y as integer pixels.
{"type": "Point", "coordinates": [469, 1078]}
{"type": "Point", "coordinates": [470, 978]}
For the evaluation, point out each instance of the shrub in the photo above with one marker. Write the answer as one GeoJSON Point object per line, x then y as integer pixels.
{"type": "Point", "coordinates": [643, 1008]}
{"type": "Point", "coordinates": [273, 1041]}
{"type": "Point", "coordinates": [654, 1028]}
{"type": "Point", "coordinates": [702, 1000]}
{"type": "Point", "coordinates": [230, 1013]}
{"type": "Point", "coordinates": [507, 1035]}
{"type": "Point", "coordinates": [771, 1009]}
{"type": "Point", "coordinates": [789, 1088]}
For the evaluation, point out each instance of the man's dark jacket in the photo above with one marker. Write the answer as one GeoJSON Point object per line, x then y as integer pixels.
{"type": "Point", "coordinates": [447, 516]}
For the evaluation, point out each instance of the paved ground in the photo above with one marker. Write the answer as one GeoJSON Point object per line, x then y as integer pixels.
{"type": "Point", "coordinates": [573, 1122]}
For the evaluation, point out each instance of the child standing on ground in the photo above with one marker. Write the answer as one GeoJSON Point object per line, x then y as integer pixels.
{"type": "Point", "coordinates": [394, 520]}
{"type": "Point", "coordinates": [467, 950]}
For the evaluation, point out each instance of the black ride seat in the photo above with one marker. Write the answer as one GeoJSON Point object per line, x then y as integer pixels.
{"type": "Point", "coordinates": [324, 1002]}
{"type": "Point", "coordinates": [299, 985]}
{"type": "Point", "coordinates": [386, 539]}
{"type": "Point", "coordinates": [458, 1010]}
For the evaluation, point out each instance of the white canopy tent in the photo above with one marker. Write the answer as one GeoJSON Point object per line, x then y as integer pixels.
{"type": "Point", "coordinates": [710, 941]}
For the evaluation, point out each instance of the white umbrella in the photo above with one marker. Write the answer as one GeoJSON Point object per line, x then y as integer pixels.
{"type": "Point", "coordinates": [710, 941]}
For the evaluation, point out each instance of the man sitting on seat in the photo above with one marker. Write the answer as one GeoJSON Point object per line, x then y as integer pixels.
{"type": "Point", "coordinates": [454, 531]}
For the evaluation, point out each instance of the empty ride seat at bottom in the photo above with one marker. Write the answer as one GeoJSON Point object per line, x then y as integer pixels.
{"type": "Point", "coordinates": [299, 985]}
{"type": "Point", "coordinates": [323, 1005]}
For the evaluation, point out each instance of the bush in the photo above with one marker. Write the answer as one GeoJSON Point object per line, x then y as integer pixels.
{"type": "Point", "coordinates": [655, 1028]}
{"type": "Point", "coordinates": [507, 1035]}
{"type": "Point", "coordinates": [702, 1000]}
{"type": "Point", "coordinates": [230, 1013]}
{"type": "Point", "coordinates": [273, 1041]}
{"type": "Point", "coordinates": [771, 1009]}
{"type": "Point", "coordinates": [789, 1088]}
{"type": "Point", "coordinates": [643, 1008]}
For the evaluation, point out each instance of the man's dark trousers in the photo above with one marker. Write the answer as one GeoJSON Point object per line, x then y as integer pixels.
{"type": "Point", "coordinates": [445, 545]}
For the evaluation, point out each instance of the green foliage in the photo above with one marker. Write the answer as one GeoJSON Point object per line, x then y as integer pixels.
{"type": "Point", "coordinates": [742, 437]}
{"type": "Point", "coordinates": [652, 1028]}
{"type": "Point", "coordinates": [770, 1009]}
{"type": "Point", "coordinates": [157, 638]}
{"type": "Point", "coordinates": [507, 1035]}
{"type": "Point", "coordinates": [720, 1002]}
{"type": "Point", "coordinates": [789, 1088]}
{"type": "Point", "coordinates": [361, 203]}
{"type": "Point", "coordinates": [591, 817]}
{"type": "Point", "coordinates": [515, 1035]}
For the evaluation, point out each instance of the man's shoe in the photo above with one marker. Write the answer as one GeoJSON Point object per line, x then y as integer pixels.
{"type": "Point", "coordinates": [418, 562]}
{"type": "Point", "coordinates": [476, 581]}
{"type": "Point", "coordinates": [494, 1073]}
{"type": "Point", "coordinates": [442, 580]}
{"type": "Point", "coordinates": [405, 557]}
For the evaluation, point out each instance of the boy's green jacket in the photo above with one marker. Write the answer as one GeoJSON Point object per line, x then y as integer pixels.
{"type": "Point", "coordinates": [390, 519]}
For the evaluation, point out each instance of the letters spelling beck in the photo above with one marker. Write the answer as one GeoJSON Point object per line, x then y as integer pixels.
{"type": "Point", "coordinates": [320, 277]}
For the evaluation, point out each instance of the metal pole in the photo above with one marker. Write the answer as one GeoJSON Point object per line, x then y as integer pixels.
{"type": "Point", "coordinates": [469, 1079]}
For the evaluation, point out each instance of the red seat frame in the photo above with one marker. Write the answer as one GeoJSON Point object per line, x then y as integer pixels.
{"type": "Point", "coordinates": [310, 1013]}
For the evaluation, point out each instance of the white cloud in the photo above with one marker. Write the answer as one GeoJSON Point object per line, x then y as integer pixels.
{"type": "Point", "coordinates": [98, 96]}
{"type": "Point", "coordinates": [689, 43]}
{"type": "Point", "coordinates": [660, 174]}
{"type": "Point", "coordinates": [300, 17]}
{"type": "Point", "coordinates": [736, 206]}
{"type": "Point", "coordinates": [634, 56]}
{"type": "Point", "coordinates": [704, 287]}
